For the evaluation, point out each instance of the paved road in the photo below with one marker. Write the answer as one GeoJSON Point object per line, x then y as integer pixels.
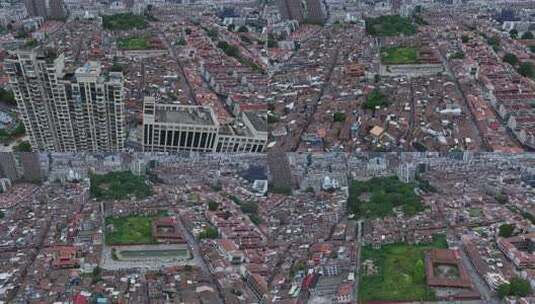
{"type": "Point", "coordinates": [481, 286]}
{"type": "Point", "coordinates": [357, 262]}
{"type": "Point", "coordinates": [483, 145]}
{"type": "Point", "coordinates": [310, 116]}
{"type": "Point", "coordinates": [199, 258]}
{"type": "Point", "coordinates": [183, 79]}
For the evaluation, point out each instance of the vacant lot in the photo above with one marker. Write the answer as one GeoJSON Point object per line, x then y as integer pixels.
{"type": "Point", "coordinates": [134, 43]}
{"type": "Point", "coordinates": [135, 229]}
{"type": "Point", "coordinates": [399, 55]}
{"type": "Point", "coordinates": [400, 275]}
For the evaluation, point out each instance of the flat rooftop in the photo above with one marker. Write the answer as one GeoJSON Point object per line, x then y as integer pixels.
{"type": "Point", "coordinates": [258, 120]}
{"type": "Point", "coordinates": [189, 115]}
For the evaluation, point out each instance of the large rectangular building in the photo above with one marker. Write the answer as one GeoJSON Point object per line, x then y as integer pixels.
{"type": "Point", "coordinates": [53, 9]}
{"type": "Point", "coordinates": [291, 10]}
{"type": "Point", "coordinates": [171, 127]}
{"type": "Point", "coordinates": [67, 111]}
{"type": "Point", "coordinates": [175, 127]}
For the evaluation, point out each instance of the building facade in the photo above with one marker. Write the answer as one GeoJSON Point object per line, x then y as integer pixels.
{"type": "Point", "coordinates": [76, 111]}
{"type": "Point", "coordinates": [36, 8]}
{"type": "Point", "coordinates": [54, 9]}
{"type": "Point", "coordinates": [291, 10]}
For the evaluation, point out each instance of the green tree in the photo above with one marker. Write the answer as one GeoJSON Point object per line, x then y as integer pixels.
{"type": "Point", "coordinates": [520, 287]}
{"type": "Point", "coordinates": [517, 287]}
{"type": "Point", "coordinates": [527, 35]}
{"type": "Point", "coordinates": [513, 34]}
{"type": "Point", "coordinates": [124, 21]}
{"type": "Point", "coordinates": [503, 290]}
{"type": "Point", "coordinates": [209, 233]}
{"type": "Point", "coordinates": [374, 99]}
{"type": "Point", "coordinates": [97, 274]}
{"type": "Point", "coordinates": [231, 27]}
{"type": "Point", "coordinates": [510, 58]}
{"type": "Point", "coordinates": [506, 230]}
{"type": "Point", "coordinates": [181, 41]}
{"type": "Point", "coordinates": [526, 69]}
{"type": "Point", "coordinates": [7, 96]}
{"type": "Point", "coordinates": [494, 41]}
{"type": "Point", "coordinates": [243, 29]}
{"type": "Point", "coordinates": [230, 50]}
{"type": "Point", "coordinates": [501, 198]}
{"type": "Point", "coordinates": [457, 55]}
{"type": "Point", "coordinates": [465, 38]}
{"type": "Point", "coordinates": [245, 39]}
{"type": "Point", "coordinates": [249, 207]}
{"type": "Point", "coordinates": [212, 206]}
{"type": "Point", "coordinates": [376, 78]}
{"type": "Point", "coordinates": [339, 116]}
{"type": "Point", "coordinates": [116, 67]}
{"type": "Point", "coordinates": [23, 146]}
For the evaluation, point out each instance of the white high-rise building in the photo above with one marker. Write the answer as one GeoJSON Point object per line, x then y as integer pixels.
{"type": "Point", "coordinates": [67, 111]}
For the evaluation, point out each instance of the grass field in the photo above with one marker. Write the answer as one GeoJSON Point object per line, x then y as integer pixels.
{"type": "Point", "coordinates": [401, 273]}
{"type": "Point", "coordinates": [135, 229]}
{"type": "Point", "coordinates": [399, 55]}
{"type": "Point", "coordinates": [134, 43]}
{"type": "Point", "coordinates": [390, 26]}
{"type": "Point", "coordinates": [475, 212]}
{"type": "Point", "coordinates": [118, 186]}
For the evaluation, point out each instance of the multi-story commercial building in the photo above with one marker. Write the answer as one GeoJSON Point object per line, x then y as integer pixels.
{"type": "Point", "coordinates": [302, 10]}
{"type": "Point", "coordinates": [8, 168]}
{"type": "Point", "coordinates": [174, 127]}
{"type": "Point", "coordinates": [47, 9]}
{"type": "Point", "coordinates": [56, 9]}
{"type": "Point", "coordinates": [315, 13]}
{"type": "Point", "coordinates": [67, 110]}
{"type": "Point", "coordinates": [36, 8]}
{"type": "Point", "coordinates": [31, 166]}
{"type": "Point", "coordinates": [291, 10]}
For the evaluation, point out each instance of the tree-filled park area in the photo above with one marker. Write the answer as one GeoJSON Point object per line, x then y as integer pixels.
{"type": "Point", "coordinates": [133, 229]}
{"type": "Point", "coordinates": [377, 197]}
{"type": "Point", "coordinates": [375, 99]}
{"type": "Point", "coordinates": [134, 43]}
{"type": "Point", "coordinates": [400, 272]}
{"type": "Point", "coordinates": [399, 55]}
{"type": "Point", "coordinates": [126, 21]}
{"type": "Point", "coordinates": [118, 186]}
{"type": "Point", "coordinates": [392, 25]}
{"type": "Point", "coordinates": [8, 135]}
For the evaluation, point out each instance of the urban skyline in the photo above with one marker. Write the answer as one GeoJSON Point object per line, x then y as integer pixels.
{"type": "Point", "coordinates": [267, 152]}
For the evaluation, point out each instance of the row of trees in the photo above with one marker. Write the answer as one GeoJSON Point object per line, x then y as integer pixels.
{"type": "Point", "coordinates": [525, 36]}
{"type": "Point", "coordinates": [517, 287]}
{"type": "Point", "coordinates": [525, 69]}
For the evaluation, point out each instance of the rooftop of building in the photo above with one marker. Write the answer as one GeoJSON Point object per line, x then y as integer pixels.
{"type": "Point", "coordinates": [189, 115]}
{"type": "Point", "coordinates": [258, 120]}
